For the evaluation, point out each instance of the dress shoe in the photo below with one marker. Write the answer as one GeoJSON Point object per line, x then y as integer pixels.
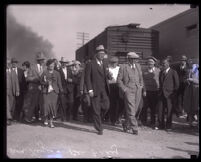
{"type": "Point", "coordinates": [100, 132]}
{"type": "Point", "coordinates": [8, 122]}
{"type": "Point", "coordinates": [168, 129]}
{"type": "Point", "coordinates": [51, 125]}
{"type": "Point", "coordinates": [125, 129]}
{"type": "Point", "coordinates": [135, 131]}
{"type": "Point", "coordinates": [46, 122]}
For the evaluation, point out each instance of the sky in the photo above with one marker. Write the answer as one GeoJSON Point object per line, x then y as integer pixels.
{"type": "Point", "coordinates": [59, 24]}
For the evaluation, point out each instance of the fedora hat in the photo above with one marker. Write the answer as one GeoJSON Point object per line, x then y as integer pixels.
{"type": "Point", "coordinates": [63, 59]}
{"type": "Point", "coordinates": [69, 63]}
{"type": "Point", "coordinates": [113, 59]}
{"type": "Point", "coordinates": [152, 59]}
{"type": "Point", "coordinates": [40, 56]}
{"type": "Point", "coordinates": [100, 48]}
{"type": "Point", "coordinates": [14, 60]}
{"type": "Point", "coordinates": [183, 58]}
{"type": "Point", "coordinates": [76, 62]}
{"type": "Point", "coordinates": [133, 55]}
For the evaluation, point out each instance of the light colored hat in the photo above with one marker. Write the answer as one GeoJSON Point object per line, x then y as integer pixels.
{"type": "Point", "coordinates": [14, 60]}
{"type": "Point", "coordinates": [76, 62]}
{"type": "Point", "coordinates": [183, 58]}
{"type": "Point", "coordinates": [100, 48]}
{"type": "Point", "coordinates": [114, 59]}
{"type": "Point", "coordinates": [152, 60]}
{"type": "Point", "coordinates": [63, 59]}
{"type": "Point", "coordinates": [69, 63]}
{"type": "Point", "coordinates": [40, 56]}
{"type": "Point", "coordinates": [133, 55]}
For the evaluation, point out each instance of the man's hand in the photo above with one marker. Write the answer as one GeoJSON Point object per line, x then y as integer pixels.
{"type": "Point", "coordinates": [17, 93]}
{"type": "Point", "coordinates": [91, 93]}
{"type": "Point", "coordinates": [70, 80]}
{"type": "Point", "coordinates": [81, 92]}
{"type": "Point", "coordinates": [144, 93]}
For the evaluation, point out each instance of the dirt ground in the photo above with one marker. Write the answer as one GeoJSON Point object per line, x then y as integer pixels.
{"type": "Point", "coordinates": [79, 140]}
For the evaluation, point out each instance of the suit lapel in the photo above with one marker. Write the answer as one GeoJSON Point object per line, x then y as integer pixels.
{"type": "Point", "coordinates": [166, 76]}
{"type": "Point", "coordinates": [98, 67]}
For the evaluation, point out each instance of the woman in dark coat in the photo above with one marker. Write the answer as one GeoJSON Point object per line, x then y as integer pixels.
{"type": "Point", "coordinates": [52, 86]}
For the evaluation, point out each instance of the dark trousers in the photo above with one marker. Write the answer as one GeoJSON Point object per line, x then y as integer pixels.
{"type": "Point", "coordinates": [76, 106]}
{"type": "Point", "coordinates": [165, 105]}
{"type": "Point", "coordinates": [39, 109]}
{"type": "Point", "coordinates": [150, 101]}
{"type": "Point", "coordinates": [69, 112]}
{"type": "Point", "coordinates": [18, 107]}
{"type": "Point", "coordinates": [100, 106]}
{"type": "Point", "coordinates": [114, 103]}
{"type": "Point", "coordinates": [63, 106]}
{"type": "Point", "coordinates": [178, 103]}
{"type": "Point", "coordinates": [86, 107]}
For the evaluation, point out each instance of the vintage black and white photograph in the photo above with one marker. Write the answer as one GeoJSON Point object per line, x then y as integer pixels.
{"type": "Point", "coordinates": [101, 81]}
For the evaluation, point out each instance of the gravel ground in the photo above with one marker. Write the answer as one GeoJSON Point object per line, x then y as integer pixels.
{"type": "Point", "coordinates": [79, 140]}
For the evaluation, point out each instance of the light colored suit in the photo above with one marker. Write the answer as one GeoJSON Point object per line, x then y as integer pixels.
{"type": "Point", "coordinates": [12, 88]}
{"type": "Point", "coordinates": [130, 82]}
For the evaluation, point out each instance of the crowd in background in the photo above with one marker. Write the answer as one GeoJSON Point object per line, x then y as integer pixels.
{"type": "Point", "coordinates": [49, 90]}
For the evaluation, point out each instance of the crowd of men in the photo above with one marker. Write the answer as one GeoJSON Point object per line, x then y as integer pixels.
{"type": "Point", "coordinates": [104, 91]}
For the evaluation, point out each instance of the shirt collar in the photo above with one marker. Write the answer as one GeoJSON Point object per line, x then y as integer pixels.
{"type": "Point", "coordinates": [167, 70]}
{"type": "Point", "coordinates": [98, 62]}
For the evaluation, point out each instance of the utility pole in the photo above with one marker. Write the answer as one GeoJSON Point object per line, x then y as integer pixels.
{"type": "Point", "coordinates": [83, 37]}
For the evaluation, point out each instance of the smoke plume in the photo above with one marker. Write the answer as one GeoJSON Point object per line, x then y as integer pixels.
{"type": "Point", "coordinates": [23, 43]}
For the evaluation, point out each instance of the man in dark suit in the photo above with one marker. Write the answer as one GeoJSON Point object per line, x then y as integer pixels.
{"type": "Point", "coordinates": [39, 67]}
{"type": "Point", "coordinates": [168, 86]}
{"type": "Point", "coordinates": [70, 90]}
{"type": "Point", "coordinates": [63, 97]}
{"type": "Point", "coordinates": [22, 86]}
{"type": "Point", "coordinates": [98, 87]}
{"type": "Point", "coordinates": [182, 71]}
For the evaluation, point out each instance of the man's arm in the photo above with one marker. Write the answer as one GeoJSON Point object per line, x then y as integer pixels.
{"type": "Point", "coordinates": [120, 79]}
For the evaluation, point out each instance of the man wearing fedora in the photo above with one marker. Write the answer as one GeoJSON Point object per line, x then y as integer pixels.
{"type": "Point", "coordinates": [130, 82]}
{"type": "Point", "coordinates": [70, 90]}
{"type": "Point", "coordinates": [22, 86]}
{"type": "Point", "coordinates": [168, 86]}
{"type": "Point", "coordinates": [63, 96]}
{"type": "Point", "coordinates": [98, 88]}
{"type": "Point", "coordinates": [12, 90]}
{"type": "Point", "coordinates": [39, 67]}
{"type": "Point", "coordinates": [182, 71]}
{"type": "Point", "coordinates": [150, 93]}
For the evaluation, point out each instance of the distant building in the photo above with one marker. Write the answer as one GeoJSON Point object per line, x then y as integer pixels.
{"type": "Point", "coordinates": [179, 35]}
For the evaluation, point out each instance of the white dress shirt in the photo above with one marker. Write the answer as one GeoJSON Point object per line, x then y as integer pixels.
{"type": "Point", "coordinates": [114, 72]}
{"type": "Point", "coordinates": [15, 69]}
{"type": "Point", "coordinates": [65, 72]}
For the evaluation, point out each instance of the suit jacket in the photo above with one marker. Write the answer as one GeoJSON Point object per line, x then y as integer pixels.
{"type": "Point", "coordinates": [21, 80]}
{"type": "Point", "coordinates": [169, 83]}
{"type": "Point", "coordinates": [70, 85]}
{"type": "Point", "coordinates": [56, 81]}
{"type": "Point", "coordinates": [94, 75]}
{"type": "Point", "coordinates": [32, 81]}
{"type": "Point", "coordinates": [12, 86]}
{"type": "Point", "coordinates": [125, 75]}
{"type": "Point", "coordinates": [182, 73]}
{"type": "Point", "coordinates": [63, 81]}
{"type": "Point", "coordinates": [35, 68]}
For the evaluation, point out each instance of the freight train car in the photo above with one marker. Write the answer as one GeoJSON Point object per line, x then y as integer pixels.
{"type": "Point", "coordinates": [119, 40]}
